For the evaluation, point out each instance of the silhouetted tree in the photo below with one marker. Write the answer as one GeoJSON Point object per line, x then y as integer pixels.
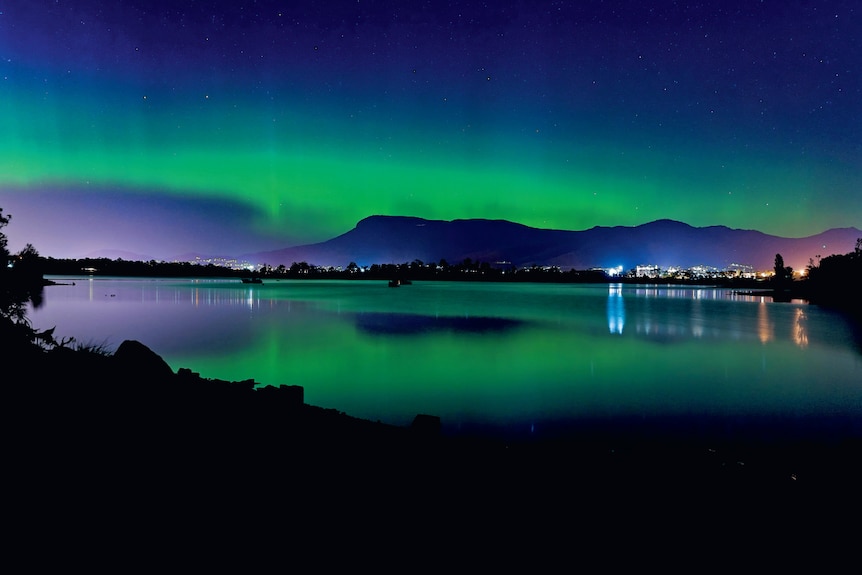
{"type": "Point", "coordinates": [12, 293]}
{"type": "Point", "coordinates": [28, 262]}
{"type": "Point", "coordinates": [836, 280]}
{"type": "Point", "coordinates": [4, 252]}
{"type": "Point", "coordinates": [20, 283]}
{"type": "Point", "coordinates": [783, 274]}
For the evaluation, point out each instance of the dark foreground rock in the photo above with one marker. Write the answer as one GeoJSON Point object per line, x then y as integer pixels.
{"type": "Point", "coordinates": [119, 452]}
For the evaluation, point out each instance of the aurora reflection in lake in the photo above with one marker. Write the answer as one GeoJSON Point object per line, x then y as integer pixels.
{"type": "Point", "coordinates": [513, 357]}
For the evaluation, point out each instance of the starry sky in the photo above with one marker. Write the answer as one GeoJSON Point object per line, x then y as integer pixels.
{"type": "Point", "coordinates": [161, 127]}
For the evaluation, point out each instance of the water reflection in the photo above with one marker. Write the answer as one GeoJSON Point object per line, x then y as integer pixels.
{"type": "Point", "coordinates": [674, 314]}
{"type": "Point", "coordinates": [616, 309]}
{"type": "Point", "coordinates": [697, 318]}
{"type": "Point", "coordinates": [490, 352]}
{"type": "Point", "coordinates": [412, 324]}
{"type": "Point", "coordinates": [661, 314]}
{"type": "Point", "coordinates": [800, 328]}
{"type": "Point", "coordinates": [764, 326]}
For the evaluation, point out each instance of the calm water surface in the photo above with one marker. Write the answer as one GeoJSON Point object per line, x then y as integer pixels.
{"type": "Point", "coordinates": [519, 357]}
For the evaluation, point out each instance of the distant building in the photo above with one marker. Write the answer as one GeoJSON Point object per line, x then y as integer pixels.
{"type": "Point", "coordinates": [704, 271]}
{"type": "Point", "coordinates": [647, 271]}
{"type": "Point", "coordinates": [741, 271]}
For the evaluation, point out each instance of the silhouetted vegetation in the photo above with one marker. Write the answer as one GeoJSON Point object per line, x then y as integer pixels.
{"type": "Point", "coordinates": [21, 284]}
{"type": "Point", "coordinates": [468, 269]}
{"type": "Point", "coordinates": [121, 267]}
{"type": "Point", "coordinates": [783, 275]}
{"type": "Point", "coordinates": [836, 281]}
{"type": "Point", "coordinates": [416, 270]}
{"type": "Point", "coordinates": [782, 280]}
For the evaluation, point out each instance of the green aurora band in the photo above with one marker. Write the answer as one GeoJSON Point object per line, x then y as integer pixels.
{"type": "Point", "coordinates": [317, 176]}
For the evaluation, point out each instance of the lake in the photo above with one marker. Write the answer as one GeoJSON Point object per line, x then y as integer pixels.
{"type": "Point", "coordinates": [523, 359]}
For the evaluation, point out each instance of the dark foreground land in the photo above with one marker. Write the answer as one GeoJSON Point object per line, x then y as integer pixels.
{"type": "Point", "coordinates": [118, 455]}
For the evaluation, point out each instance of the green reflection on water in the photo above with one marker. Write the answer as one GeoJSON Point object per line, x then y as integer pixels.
{"type": "Point", "coordinates": [542, 369]}
{"type": "Point", "coordinates": [509, 354]}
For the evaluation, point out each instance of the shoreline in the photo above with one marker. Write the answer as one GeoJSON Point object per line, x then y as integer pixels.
{"type": "Point", "coordinates": [142, 455]}
{"type": "Point", "coordinates": [133, 392]}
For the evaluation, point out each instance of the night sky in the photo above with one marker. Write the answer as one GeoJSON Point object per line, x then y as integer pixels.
{"type": "Point", "coordinates": [161, 127]}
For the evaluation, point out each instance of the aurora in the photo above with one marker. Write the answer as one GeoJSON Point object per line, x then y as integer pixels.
{"type": "Point", "coordinates": [262, 126]}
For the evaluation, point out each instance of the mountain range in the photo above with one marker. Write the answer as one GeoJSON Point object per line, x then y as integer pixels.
{"type": "Point", "coordinates": [666, 243]}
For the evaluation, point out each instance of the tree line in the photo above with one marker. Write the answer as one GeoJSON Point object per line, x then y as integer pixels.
{"type": "Point", "coordinates": [834, 280]}
{"type": "Point", "coordinates": [21, 285]}
{"type": "Point", "coordinates": [467, 269]}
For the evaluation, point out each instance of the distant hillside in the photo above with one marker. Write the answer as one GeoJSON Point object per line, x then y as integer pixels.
{"type": "Point", "coordinates": [398, 239]}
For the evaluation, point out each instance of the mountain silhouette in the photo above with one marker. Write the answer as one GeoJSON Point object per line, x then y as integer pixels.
{"type": "Point", "coordinates": [400, 239]}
